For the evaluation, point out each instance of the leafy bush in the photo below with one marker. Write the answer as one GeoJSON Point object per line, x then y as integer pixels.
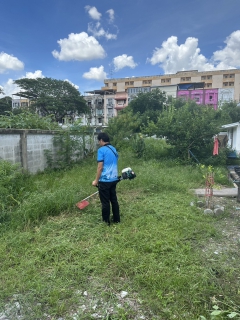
{"type": "Point", "coordinates": [12, 184]}
{"type": "Point", "coordinates": [27, 120]}
{"type": "Point", "coordinates": [138, 144]}
{"type": "Point", "coordinates": [149, 148]}
{"type": "Point", "coordinates": [156, 149]}
{"type": "Point", "coordinates": [72, 145]}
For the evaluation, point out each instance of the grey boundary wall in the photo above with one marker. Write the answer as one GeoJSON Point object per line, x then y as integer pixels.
{"type": "Point", "coordinates": [26, 147]}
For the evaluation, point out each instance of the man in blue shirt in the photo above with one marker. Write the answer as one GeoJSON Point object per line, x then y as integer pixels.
{"type": "Point", "coordinates": [107, 178]}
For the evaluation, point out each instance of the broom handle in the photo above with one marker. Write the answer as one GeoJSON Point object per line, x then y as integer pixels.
{"type": "Point", "coordinates": [90, 195]}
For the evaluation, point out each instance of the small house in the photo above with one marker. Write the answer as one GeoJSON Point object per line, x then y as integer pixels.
{"type": "Point", "coordinates": [233, 135]}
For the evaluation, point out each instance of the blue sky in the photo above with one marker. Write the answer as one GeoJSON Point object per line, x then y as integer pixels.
{"type": "Point", "coordinates": [85, 42]}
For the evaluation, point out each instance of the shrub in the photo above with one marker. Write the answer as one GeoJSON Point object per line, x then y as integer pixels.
{"type": "Point", "coordinates": [12, 184]}
{"type": "Point", "coordinates": [71, 146]}
{"type": "Point", "coordinates": [149, 148]}
{"type": "Point", "coordinates": [138, 144]}
{"type": "Point", "coordinates": [155, 149]}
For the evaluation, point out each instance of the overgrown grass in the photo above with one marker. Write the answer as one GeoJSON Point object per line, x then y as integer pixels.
{"type": "Point", "coordinates": [51, 253]}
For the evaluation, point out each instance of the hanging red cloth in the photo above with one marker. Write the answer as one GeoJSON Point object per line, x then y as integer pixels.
{"type": "Point", "coordinates": [215, 146]}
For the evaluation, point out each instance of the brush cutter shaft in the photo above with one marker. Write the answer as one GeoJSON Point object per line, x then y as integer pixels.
{"type": "Point", "coordinates": [90, 195]}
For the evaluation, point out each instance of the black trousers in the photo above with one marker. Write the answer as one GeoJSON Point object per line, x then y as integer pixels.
{"type": "Point", "coordinates": [107, 195]}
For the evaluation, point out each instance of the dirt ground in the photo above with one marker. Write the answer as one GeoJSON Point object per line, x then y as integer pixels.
{"type": "Point", "coordinates": [227, 225]}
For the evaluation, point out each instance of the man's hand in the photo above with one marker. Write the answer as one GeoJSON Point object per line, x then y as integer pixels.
{"type": "Point", "coordinates": [94, 183]}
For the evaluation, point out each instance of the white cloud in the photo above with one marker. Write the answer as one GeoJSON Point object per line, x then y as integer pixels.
{"type": "Point", "coordinates": [10, 88]}
{"type": "Point", "coordinates": [172, 57]}
{"type": "Point", "coordinates": [34, 75]}
{"type": "Point", "coordinates": [111, 15]}
{"type": "Point", "coordinates": [96, 73]}
{"type": "Point", "coordinates": [9, 62]}
{"type": "Point", "coordinates": [230, 55]}
{"type": "Point", "coordinates": [74, 85]}
{"type": "Point", "coordinates": [93, 12]}
{"type": "Point", "coordinates": [123, 61]}
{"type": "Point", "coordinates": [98, 31]}
{"type": "Point", "coordinates": [79, 46]}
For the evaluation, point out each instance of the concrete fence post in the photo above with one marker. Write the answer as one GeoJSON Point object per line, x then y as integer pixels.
{"type": "Point", "coordinates": [23, 148]}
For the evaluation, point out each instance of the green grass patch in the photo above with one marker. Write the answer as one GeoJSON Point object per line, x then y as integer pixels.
{"type": "Point", "coordinates": [62, 262]}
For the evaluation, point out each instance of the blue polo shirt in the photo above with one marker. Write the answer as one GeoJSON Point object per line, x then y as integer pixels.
{"type": "Point", "coordinates": [109, 156]}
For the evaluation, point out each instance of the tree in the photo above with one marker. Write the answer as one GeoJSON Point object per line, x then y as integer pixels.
{"type": "Point", "coordinates": [1, 90]}
{"type": "Point", "coordinates": [190, 127]}
{"type": "Point", "coordinates": [229, 112]}
{"type": "Point", "coordinates": [5, 105]}
{"type": "Point", "coordinates": [148, 102]}
{"type": "Point", "coordinates": [51, 96]}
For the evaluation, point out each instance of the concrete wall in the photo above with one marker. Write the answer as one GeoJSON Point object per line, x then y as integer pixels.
{"type": "Point", "coordinates": [26, 147]}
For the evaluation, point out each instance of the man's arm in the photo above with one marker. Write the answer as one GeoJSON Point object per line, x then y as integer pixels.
{"type": "Point", "coordinates": [98, 175]}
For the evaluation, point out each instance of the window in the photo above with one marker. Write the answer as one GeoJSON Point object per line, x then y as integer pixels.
{"type": "Point", "coordinates": [131, 83]}
{"type": "Point", "coordinates": [196, 97]}
{"type": "Point", "coordinates": [162, 80]}
{"type": "Point", "coordinates": [186, 79]}
{"type": "Point", "coordinates": [106, 84]}
{"type": "Point", "coordinates": [225, 84]}
{"type": "Point", "coordinates": [147, 81]}
{"type": "Point", "coordinates": [207, 85]}
{"type": "Point", "coordinates": [183, 97]}
{"type": "Point", "coordinates": [114, 84]}
{"type": "Point", "coordinates": [231, 75]}
{"type": "Point", "coordinates": [126, 83]}
{"type": "Point", "coordinates": [203, 77]}
{"type": "Point", "coordinates": [210, 98]}
{"type": "Point", "coordinates": [231, 84]}
{"type": "Point", "coordinates": [168, 80]}
{"type": "Point", "coordinates": [209, 77]}
{"type": "Point", "coordinates": [24, 104]}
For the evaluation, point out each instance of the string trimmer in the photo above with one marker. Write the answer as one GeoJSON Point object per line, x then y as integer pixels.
{"type": "Point", "coordinates": [127, 174]}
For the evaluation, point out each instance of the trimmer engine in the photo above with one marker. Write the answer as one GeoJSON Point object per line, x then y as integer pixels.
{"type": "Point", "coordinates": [128, 173]}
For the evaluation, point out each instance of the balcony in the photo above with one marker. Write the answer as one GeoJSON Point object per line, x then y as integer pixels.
{"type": "Point", "coordinates": [120, 106]}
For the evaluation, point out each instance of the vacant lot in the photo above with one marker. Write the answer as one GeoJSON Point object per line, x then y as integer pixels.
{"type": "Point", "coordinates": [166, 260]}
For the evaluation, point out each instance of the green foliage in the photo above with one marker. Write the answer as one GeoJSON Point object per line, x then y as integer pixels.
{"type": "Point", "coordinates": [12, 185]}
{"type": "Point", "coordinates": [121, 128]}
{"type": "Point", "coordinates": [149, 148]}
{"type": "Point", "coordinates": [148, 102]}
{"type": "Point", "coordinates": [52, 97]}
{"type": "Point", "coordinates": [5, 105]}
{"type": "Point", "coordinates": [138, 144]}
{"type": "Point", "coordinates": [71, 146]}
{"type": "Point", "coordinates": [158, 254]}
{"type": "Point", "coordinates": [189, 127]}
{"type": "Point", "coordinates": [156, 149]}
{"type": "Point", "coordinates": [27, 120]}
{"type": "Point", "coordinates": [229, 113]}
{"type": "Point", "coordinates": [218, 160]}
{"type": "Point", "coordinates": [220, 176]}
